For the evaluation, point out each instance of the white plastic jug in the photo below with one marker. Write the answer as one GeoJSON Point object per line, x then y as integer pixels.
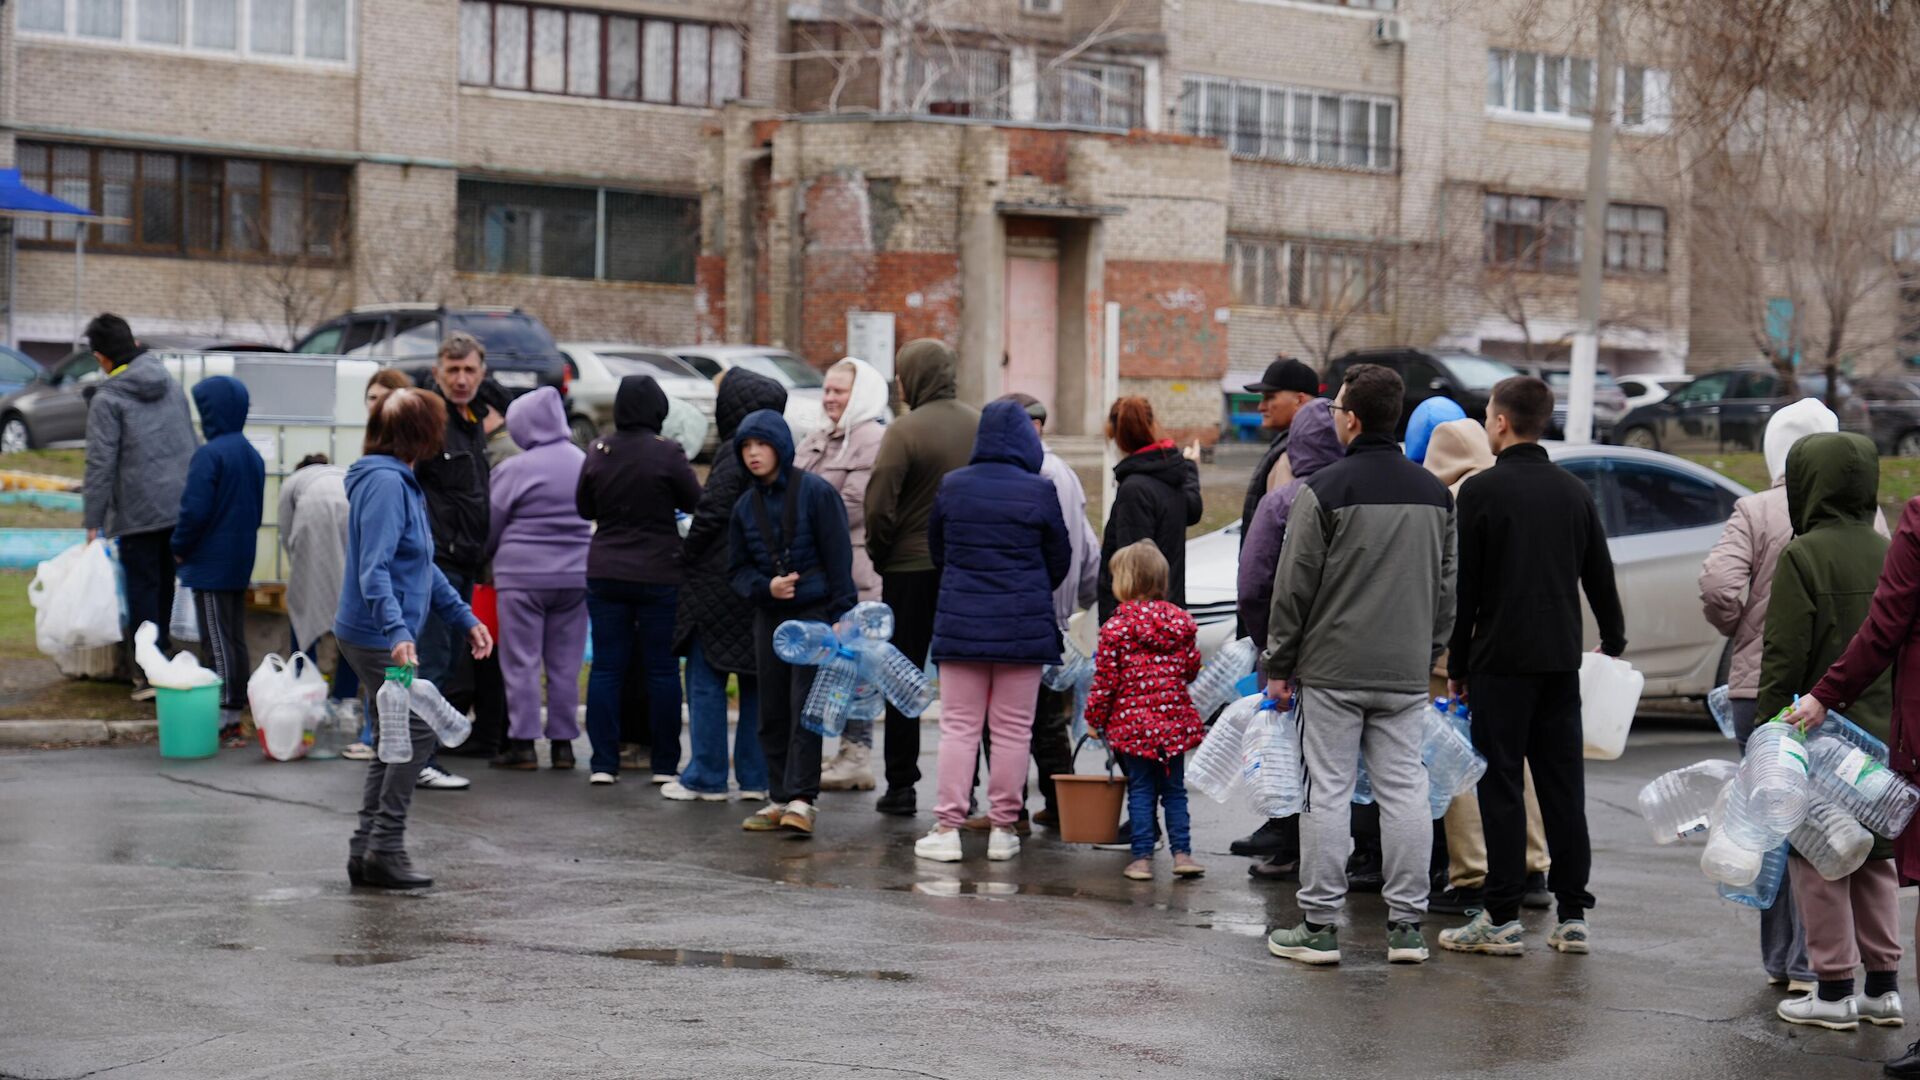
{"type": "Point", "coordinates": [1609, 694]}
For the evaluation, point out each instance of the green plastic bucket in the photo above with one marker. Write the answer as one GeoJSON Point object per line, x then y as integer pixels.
{"type": "Point", "coordinates": [189, 721]}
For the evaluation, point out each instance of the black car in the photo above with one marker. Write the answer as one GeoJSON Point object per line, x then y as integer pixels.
{"type": "Point", "coordinates": [52, 408]}
{"type": "Point", "coordinates": [1467, 378]}
{"type": "Point", "coordinates": [521, 353]}
{"type": "Point", "coordinates": [1893, 410]}
{"type": "Point", "coordinates": [1729, 410]}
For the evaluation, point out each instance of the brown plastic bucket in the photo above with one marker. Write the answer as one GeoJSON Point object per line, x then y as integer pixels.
{"type": "Point", "coordinates": [1090, 807]}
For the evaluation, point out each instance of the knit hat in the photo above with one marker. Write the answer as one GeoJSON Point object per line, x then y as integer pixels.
{"type": "Point", "coordinates": [111, 337]}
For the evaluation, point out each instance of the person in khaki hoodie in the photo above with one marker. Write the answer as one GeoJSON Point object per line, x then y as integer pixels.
{"type": "Point", "coordinates": [1457, 450]}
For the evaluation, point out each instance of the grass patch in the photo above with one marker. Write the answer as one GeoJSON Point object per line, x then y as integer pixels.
{"type": "Point", "coordinates": [29, 516]}
{"type": "Point", "coordinates": [1899, 477]}
{"type": "Point", "coordinates": [79, 699]}
{"type": "Point", "coordinates": [16, 616]}
{"type": "Point", "coordinates": [70, 463]}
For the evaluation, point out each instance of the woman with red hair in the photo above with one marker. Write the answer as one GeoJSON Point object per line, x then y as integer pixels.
{"type": "Point", "coordinates": [1157, 499]}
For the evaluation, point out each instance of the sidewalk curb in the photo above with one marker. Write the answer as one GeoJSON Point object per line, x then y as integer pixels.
{"type": "Point", "coordinates": [26, 733]}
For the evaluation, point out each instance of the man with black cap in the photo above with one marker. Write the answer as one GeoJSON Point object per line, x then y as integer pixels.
{"type": "Point", "coordinates": [139, 441]}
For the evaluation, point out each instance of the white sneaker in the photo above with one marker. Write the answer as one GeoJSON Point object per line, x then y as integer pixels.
{"type": "Point", "coordinates": [604, 778]}
{"type": "Point", "coordinates": [1882, 1011]}
{"type": "Point", "coordinates": [678, 792]}
{"type": "Point", "coordinates": [357, 752]}
{"type": "Point", "coordinates": [662, 778]}
{"type": "Point", "coordinates": [943, 845]}
{"type": "Point", "coordinates": [434, 778]}
{"type": "Point", "coordinates": [752, 795]}
{"type": "Point", "coordinates": [1810, 1010]}
{"type": "Point", "coordinates": [1002, 844]}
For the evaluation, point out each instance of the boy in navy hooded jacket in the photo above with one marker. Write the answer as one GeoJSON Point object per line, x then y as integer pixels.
{"type": "Point", "coordinates": [214, 540]}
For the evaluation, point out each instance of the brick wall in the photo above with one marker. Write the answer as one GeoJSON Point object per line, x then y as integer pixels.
{"type": "Point", "coordinates": [1172, 318]}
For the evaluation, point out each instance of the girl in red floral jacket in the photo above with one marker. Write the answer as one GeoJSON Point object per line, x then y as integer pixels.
{"type": "Point", "coordinates": [1139, 703]}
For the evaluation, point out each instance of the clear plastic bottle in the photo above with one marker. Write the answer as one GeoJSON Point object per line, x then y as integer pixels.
{"type": "Point", "coordinates": [1725, 860]}
{"type": "Point", "coordinates": [868, 703]}
{"type": "Point", "coordinates": [831, 698]}
{"type": "Point", "coordinates": [1770, 790]}
{"type": "Point", "coordinates": [1272, 742]}
{"type": "Point", "coordinates": [902, 681]}
{"type": "Point", "coordinates": [1831, 840]}
{"type": "Point", "coordinates": [804, 643]}
{"type": "Point", "coordinates": [1766, 883]}
{"type": "Point", "coordinates": [450, 725]}
{"type": "Point", "coordinates": [1861, 786]}
{"type": "Point", "coordinates": [1362, 784]}
{"type": "Point", "coordinates": [1453, 766]}
{"type": "Point", "coordinates": [1839, 727]}
{"type": "Point", "coordinates": [1073, 666]}
{"type": "Point", "coordinates": [872, 619]}
{"type": "Point", "coordinates": [1214, 685]}
{"type": "Point", "coordinates": [1677, 804]}
{"type": "Point", "coordinates": [1720, 704]}
{"type": "Point", "coordinates": [395, 742]}
{"type": "Point", "coordinates": [1214, 769]}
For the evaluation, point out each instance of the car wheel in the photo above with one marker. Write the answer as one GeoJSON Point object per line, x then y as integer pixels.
{"type": "Point", "coordinates": [1908, 445]}
{"type": "Point", "coordinates": [584, 431]}
{"type": "Point", "coordinates": [15, 436]}
{"type": "Point", "coordinates": [1641, 438]}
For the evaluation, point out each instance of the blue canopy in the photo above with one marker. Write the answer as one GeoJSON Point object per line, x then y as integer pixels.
{"type": "Point", "coordinates": [18, 198]}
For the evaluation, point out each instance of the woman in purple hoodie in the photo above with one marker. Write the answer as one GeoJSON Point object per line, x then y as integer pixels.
{"type": "Point", "coordinates": [537, 542]}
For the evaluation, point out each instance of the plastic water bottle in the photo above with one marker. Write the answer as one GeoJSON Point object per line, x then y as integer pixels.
{"type": "Point", "coordinates": [831, 698]}
{"type": "Point", "coordinates": [872, 619]}
{"type": "Point", "coordinates": [1720, 704]}
{"type": "Point", "coordinates": [868, 703]}
{"type": "Point", "coordinates": [1073, 666]}
{"type": "Point", "coordinates": [1770, 790]}
{"type": "Point", "coordinates": [1362, 784]}
{"type": "Point", "coordinates": [1766, 883]}
{"type": "Point", "coordinates": [1677, 804]}
{"type": "Point", "coordinates": [1831, 840]}
{"type": "Point", "coordinates": [1861, 786]}
{"type": "Point", "coordinates": [450, 725]}
{"type": "Point", "coordinates": [1214, 686]}
{"type": "Point", "coordinates": [1839, 727]}
{"type": "Point", "coordinates": [1453, 766]}
{"type": "Point", "coordinates": [804, 643]}
{"type": "Point", "coordinates": [1725, 860]}
{"type": "Point", "coordinates": [1273, 743]}
{"type": "Point", "coordinates": [1214, 768]}
{"type": "Point", "coordinates": [931, 672]}
{"type": "Point", "coordinates": [396, 742]}
{"type": "Point", "coordinates": [902, 681]}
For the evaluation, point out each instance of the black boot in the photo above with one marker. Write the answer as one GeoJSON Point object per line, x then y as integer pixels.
{"type": "Point", "coordinates": [518, 755]}
{"type": "Point", "coordinates": [392, 870]}
{"type": "Point", "coordinates": [1536, 895]}
{"type": "Point", "coordinates": [1907, 1065]}
{"type": "Point", "coordinates": [562, 754]}
{"type": "Point", "coordinates": [1279, 836]}
{"type": "Point", "coordinates": [1453, 901]}
{"type": "Point", "coordinates": [900, 802]}
{"type": "Point", "coordinates": [356, 871]}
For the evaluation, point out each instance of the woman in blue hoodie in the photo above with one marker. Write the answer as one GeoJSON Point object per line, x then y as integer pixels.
{"type": "Point", "coordinates": [391, 584]}
{"type": "Point", "coordinates": [214, 539]}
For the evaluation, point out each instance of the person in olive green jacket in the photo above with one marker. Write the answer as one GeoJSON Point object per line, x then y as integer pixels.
{"type": "Point", "coordinates": [1821, 593]}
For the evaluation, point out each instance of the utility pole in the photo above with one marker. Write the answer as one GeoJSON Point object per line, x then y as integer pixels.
{"type": "Point", "coordinates": [1586, 340]}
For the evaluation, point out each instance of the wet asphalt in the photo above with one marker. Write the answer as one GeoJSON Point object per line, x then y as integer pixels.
{"type": "Point", "coordinates": [193, 919]}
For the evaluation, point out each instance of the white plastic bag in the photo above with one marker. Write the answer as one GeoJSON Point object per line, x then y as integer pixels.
{"type": "Point", "coordinates": [76, 600]}
{"type": "Point", "coordinates": [1609, 694]}
{"type": "Point", "coordinates": [184, 626]}
{"type": "Point", "coordinates": [183, 672]}
{"type": "Point", "coordinates": [287, 697]}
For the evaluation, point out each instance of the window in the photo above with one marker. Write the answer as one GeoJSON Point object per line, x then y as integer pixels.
{"type": "Point", "coordinates": [958, 82]}
{"type": "Point", "coordinates": [1592, 472]}
{"type": "Point", "coordinates": [1535, 233]}
{"type": "Point", "coordinates": [1092, 95]}
{"type": "Point", "coordinates": [259, 29]}
{"type": "Point", "coordinates": [1657, 499]}
{"type": "Point", "coordinates": [1307, 274]}
{"type": "Point", "coordinates": [1702, 391]}
{"type": "Point", "coordinates": [584, 53]}
{"type": "Point", "coordinates": [1283, 123]}
{"type": "Point", "coordinates": [590, 233]}
{"type": "Point", "coordinates": [191, 205]}
{"type": "Point", "coordinates": [1544, 84]}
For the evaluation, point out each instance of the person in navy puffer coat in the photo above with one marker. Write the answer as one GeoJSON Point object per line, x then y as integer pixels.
{"type": "Point", "coordinates": [998, 538]}
{"type": "Point", "coordinates": [214, 540]}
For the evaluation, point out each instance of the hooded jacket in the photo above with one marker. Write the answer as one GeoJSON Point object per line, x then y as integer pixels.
{"type": "Point", "coordinates": [392, 580]}
{"type": "Point", "coordinates": [456, 487]}
{"type": "Point", "coordinates": [1825, 581]}
{"type": "Point", "coordinates": [843, 454]}
{"type": "Point", "coordinates": [997, 536]}
{"type": "Point", "coordinates": [1261, 484]}
{"type": "Point", "coordinates": [1427, 418]}
{"type": "Point", "coordinates": [1456, 451]}
{"type": "Point", "coordinates": [919, 450]}
{"type": "Point", "coordinates": [1312, 446]}
{"type": "Point", "coordinates": [708, 610]}
{"type": "Point", "coordinates": [1082, 587]}
{"type": "Point", "coordinates": [218, 531]}
{"type": "Point", "coordinates": [313, 516]}
{"type": "Point", "coordinates": [760, 547]}
{"type": "Point", "coordinates": [1156, 498]}
{"type": "Point", "coordinates": [139, 441]}
{"type": "Point", "coordinates": [1139, 701]}
{"type": "Point", "coordinates": [536, 538]}
{"type": "Point", "coordinates": [631, 484]}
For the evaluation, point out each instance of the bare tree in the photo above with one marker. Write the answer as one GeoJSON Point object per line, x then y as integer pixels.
{"type": "Point", "coordinates": [1334, 289]}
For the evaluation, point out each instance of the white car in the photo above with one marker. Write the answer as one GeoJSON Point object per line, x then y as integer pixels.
{"type": "Point", "coordinates": [596, 369]}
{"type": "Point", "coordinates": [1649, 389]}
{"type": "Point", "coordinates": [802, 380]}
{"type": "Point", "coordinates": [1662, 515]}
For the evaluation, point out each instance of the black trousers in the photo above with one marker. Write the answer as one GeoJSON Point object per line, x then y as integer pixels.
{"type": "Point", "coordinates": [1532, 720]}
{"type": "Point", "coordinates": [223, 634]}
{"type": "Point", "coordinates": [912, 594]}
{"type": "Point", "coordinates": [147, 561]}
{"type": "Point", "coordinates": [793, 752]}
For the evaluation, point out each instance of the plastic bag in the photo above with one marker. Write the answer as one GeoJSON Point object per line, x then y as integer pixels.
{"type": "Point", "coordinates": [76, 600]}
{"type": "Point", "coordinates": [287, 698]}
{"type": "Point", "coordinates": [184, 626]}
{"type": "Point", "coordinates": [183, 672]}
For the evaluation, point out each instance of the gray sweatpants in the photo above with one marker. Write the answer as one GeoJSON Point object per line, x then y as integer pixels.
{"type": "Point", "coordinates": [1336, 726]}
{"type": "Point", "coordinates": [389, 788]}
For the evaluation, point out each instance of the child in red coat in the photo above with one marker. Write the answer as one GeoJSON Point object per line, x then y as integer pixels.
{"type": "Point", "coordinates": [1140, 705]}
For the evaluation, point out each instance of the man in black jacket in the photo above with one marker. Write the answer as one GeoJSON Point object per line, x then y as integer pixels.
{"type": "Point", "coordinates": [1530, 540]}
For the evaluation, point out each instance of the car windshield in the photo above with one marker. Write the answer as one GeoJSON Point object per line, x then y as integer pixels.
{"type": "Point", "coordinates": [790, 371]}
{"type": "Point", "coordinates": [658, 365]}
{"type": "Point", "coordinates": [505, 333]}
{"type": "Point", "coordinates": [1476, 372]}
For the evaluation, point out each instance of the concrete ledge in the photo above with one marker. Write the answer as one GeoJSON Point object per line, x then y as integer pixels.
{"type": "Point", "coordinates": [18, 733]}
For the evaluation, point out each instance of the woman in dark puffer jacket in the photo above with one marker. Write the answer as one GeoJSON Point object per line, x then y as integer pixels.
{"type": "Point", "coordinates": [1157, 498]}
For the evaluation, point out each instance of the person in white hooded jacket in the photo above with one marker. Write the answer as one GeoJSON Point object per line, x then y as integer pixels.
{"type": "Point", "coordinates": [854, 400]}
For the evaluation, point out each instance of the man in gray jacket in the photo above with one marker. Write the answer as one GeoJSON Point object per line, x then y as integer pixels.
{"type": "Point", "coordinates": [1362, 605]}
{"type": "Point", "coordinates": [139, 441]}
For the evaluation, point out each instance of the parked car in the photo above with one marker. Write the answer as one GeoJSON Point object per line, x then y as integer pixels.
{"type": "Point", "coordinates": [1647, 389]}
{"type": "Point", "coordinates": [802, 380]}
{"type": "Point", "coordinates": [1465, 377]}
{"type": "Point", "coordinates": [1662, 515]}
{"type": "Point", "coordinates": [1893, 410]}
{"type": "Point", "coordinates": [17, 369]}
{"type": "Point", "coordinates": [1728, 410]}
{"type": "Point", "coordinates": [1609, 403]}
{"type": "Point", "coordinates": [596, 369]}
{"type": "Point", "coordinates": [521, 353]}
{"type": "Point", "coordinates": [52, 407]}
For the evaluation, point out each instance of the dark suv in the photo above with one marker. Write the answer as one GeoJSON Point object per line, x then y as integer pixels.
{"type": "Point", "coordinates": [1729, 410]}
{"type": "Point", "coordinates": [521, 354]}
{"type": "Point", "coordinates": [1465, 377]}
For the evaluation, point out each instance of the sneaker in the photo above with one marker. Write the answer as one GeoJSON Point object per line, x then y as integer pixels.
{"type": "Point", "coordinates": [765, 819]}
{"type": "Point", "coordinates": [850, 770]}
{"type": "Point", "coordinates": [1278, 868]}
{"type": "Point", "coordinates": [1481, 936]}
{"type": "Point", "coordinates": [1882, 1011]}
{"type": "Point", "coordinates": [435, 778]}
{"type": "Point", "coordinates": [518, 754]}
{"type": "Point", "coordinates": [1267, 840]}
{"type": "Point", "coordinates": [1802, 986]}
{"type": "Point", "coordinates": [1569, 937]}
{"type": "Point", "coordinates": [898, 802]}
{"type": "Point", "coordinates": [1906, 1065]}
{"type": "Point", "coordinates": [678, 792]}
{"type": "Point", "coordinates": [358, 751]}
{"type": "Point", "coordinates": [662, 778]}
{"type": "Point", "coordinates": [798, 817]}
{"type": "Point", "coordinates": [1185, 866]}
{"type": "Point", "coordinates": [1139, 870]}
{"type": "Point", "coordinates": [752, 794]}
{"type": "Point", "coordinates": [1306, 945]}
{"type": "Point", "coordinates": [1534, 893]}
{"type": "Point", "coordinates": [604, 778]}
{"type": "Point", "coordinates": [940, 845]}
{"type": "Point", "coordinates": [1002, 844]}
{"type": "Point", "coordinates": [1405, 943]}
{"type": "Point", "coordinates": [1455, 901]}
{"type": "Point", "coordinates": [1047, 818]}
{"type": "Point", "coordinates": [1808, 1009]}
{"type": "Point", "coordinates": [141, 690]}
{"type": "Point", "coordinates": [1124, 838]}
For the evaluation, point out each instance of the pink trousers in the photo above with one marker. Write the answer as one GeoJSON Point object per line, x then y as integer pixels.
{"type": "Point", "coordinates": [997, 699]}
{"type": "Point", "coordinates": [1849, 923]}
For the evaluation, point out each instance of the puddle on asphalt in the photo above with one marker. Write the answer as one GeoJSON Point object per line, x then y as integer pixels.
{"type": "Point", "coordinates": [368, 959]}
{"type": "Point", "coordinates": [708, 958]}
{"type": "Point", "coordinates": [288, 894]}
{"type": "Point", "coordinates": [236, 946]}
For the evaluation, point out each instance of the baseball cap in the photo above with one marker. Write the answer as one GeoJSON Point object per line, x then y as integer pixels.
{"type": "Point", "coordinates": [1286, 373]}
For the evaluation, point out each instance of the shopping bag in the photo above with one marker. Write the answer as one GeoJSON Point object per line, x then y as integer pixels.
{"type": "Point", "coordinates": [184, 626]}
{"type": "Point", "coordinates": [287, 698]}
{"type": "Point", "coordinates": [76, 600]}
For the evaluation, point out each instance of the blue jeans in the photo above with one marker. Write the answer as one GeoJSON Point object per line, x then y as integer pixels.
{"type": "Point", "coordinates": [706, 771]}
{"type": "Point", "coordinates": [628, 615]}
{"type": "Point", "coordinates": [1166, 781]}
